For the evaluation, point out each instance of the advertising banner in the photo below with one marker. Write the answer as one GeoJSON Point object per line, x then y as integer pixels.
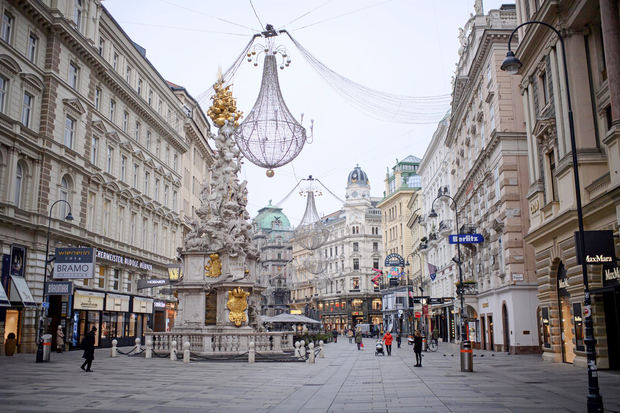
{"type": "Point", "coordinates": [74, 263]}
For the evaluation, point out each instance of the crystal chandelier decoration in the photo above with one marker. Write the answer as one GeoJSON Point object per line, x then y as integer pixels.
{"type": "Point", "coordinates": [270, 136]}
{"type": "Point", "coordinates": [314, 264]}
{"type": "Point", "coordinates": [311, 233]}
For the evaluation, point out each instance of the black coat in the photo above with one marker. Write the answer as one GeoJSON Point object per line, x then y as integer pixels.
{"type": "Point", "coordinates": [88, 345]}
{"type": "Point", "coordinates": [417, 344]}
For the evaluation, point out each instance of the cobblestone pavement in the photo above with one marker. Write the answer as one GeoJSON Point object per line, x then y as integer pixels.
{"type": "Point", "coordinates": [346, 380]}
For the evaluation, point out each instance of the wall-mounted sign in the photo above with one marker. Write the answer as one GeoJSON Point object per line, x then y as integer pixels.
{"type": "Point", "coordinates": [465, 239]}
{"type": "Point", "coordinates": [159, 304]}
{"type": "Point", "coordinates": [155, 282]}
{"type": "Point", "coordinates": [88, 300]}
{"type": "Point", "coordinates": [517, 277]}
{"type": "Point", "coordinates": [117, 302]}
{"type": "Point", "coordinates": [599, 247]}
{"type": "Point", "coordinates": [435, 300]}
{"type": "Point", "coordinates": [394, 260]}
{"type": "Point", "coordinates": [58, 288]}
{"type": "Point", "coordinates": [124, 260]}
{"type": "Point", "coordinates": [142, 305]}
{"type": "Point", "coordinates": [611, 276]}
{"type": "Point", "coordinates": [74, 263]}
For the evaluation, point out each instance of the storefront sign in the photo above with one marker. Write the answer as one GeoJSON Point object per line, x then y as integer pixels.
{"type": "Point", "coordinates": [435, 301]}
{"type": "Point", "coordinates": [159, 305]}
{"type": "Point", "coordinates": [394, 260]}
{"type": "Point", "coordinates": [599, 247]}
{"type": "Point", "coordinates": [124, 260]}
{"type": "Point", "coordinates": [88, 300]}
{"type": "Point", "coordinates": [466, 239]}
{"type": "Point", "coordinates": [155, 282]}
{"type": "Point", "coordinates": [117, 302]}
{"type": "Point", "coordinates": [611, 276]}
{"type": "Point", "coordinates": [59, 288]}
{"type": "Point", "coordinates": [74, 263]}
{"type": "Point", "coordinates": [142, 305]}
{"type": "Point", "coordinates": [517, 277]}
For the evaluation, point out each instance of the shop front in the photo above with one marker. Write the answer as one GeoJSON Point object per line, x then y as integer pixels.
{"type": "Point", "coordinates": [610, 295]}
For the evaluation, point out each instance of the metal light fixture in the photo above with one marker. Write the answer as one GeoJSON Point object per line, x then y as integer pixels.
{"type": "Point", "coordinates": [432, 214]}
{"type": "Point", "coordinates": [594, 399]}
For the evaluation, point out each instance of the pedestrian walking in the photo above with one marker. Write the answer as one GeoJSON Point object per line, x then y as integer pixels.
{"type": "Point", "coordinates": [387, 338]}
{"type": "Point", "coordinates": [358, 339]}
{"type": "Point", "coordinates": [417, 348]}
{"type": "Point", "coordinates": [60, 340]}
{"type": "Point", "coordinates": [435, 335]}
{"type": "Point", "coordinates": [398, 339]}
{"type": "Point", "coordinates": [335, 334]}
{"type": "Point", "coordinates": [10, 345]}
{"type": "Point", "coordinates": [350, 335]}
{"type": "Point", "coordinates": [88, 345]}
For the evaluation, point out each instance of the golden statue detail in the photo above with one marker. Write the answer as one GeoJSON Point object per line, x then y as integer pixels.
{"type": "Point", "coordinates": [224, 106]}
{"type": "Point", "coordinates": [214, 268]}
{"type": "Point", "coordinates": [237, 304]}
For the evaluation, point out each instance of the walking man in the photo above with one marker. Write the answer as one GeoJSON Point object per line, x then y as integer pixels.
{"type": "Point", "coordinates": [358, 339]}
{"type": "Point", "coordinates": [398, 339]}
{"type": "Point", "coordinates": [435, 335]}
{"type": "Point", "coordinates": [387, 338]}
{"type": "Point", "coordinates": [88, 345]}
{"type": "Point", "coordinates": [417, 348]}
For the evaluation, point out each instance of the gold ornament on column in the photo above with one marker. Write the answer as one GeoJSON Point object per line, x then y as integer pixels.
{"type": "Point", "coordinates": [224, 106]}
{"type": "Point", "coordinates": [214, 268]}
{"type": "Point", "coordinates": [237, 304]}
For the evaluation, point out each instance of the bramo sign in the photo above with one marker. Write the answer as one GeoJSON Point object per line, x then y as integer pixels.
{"type": "Point", "coordinates": [74, 263]}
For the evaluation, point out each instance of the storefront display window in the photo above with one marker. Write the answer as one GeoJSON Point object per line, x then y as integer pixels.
{"type": "Point", "coordinates": [578, 321]}
{"type": "Point", "coordinates": [376, 304]}
{"type": "Point", "coordinates": [132, 325]}
{"type": "Point", "coordinates": [356, 304]}
{"type": "Point", "coordinates": [546, 328]}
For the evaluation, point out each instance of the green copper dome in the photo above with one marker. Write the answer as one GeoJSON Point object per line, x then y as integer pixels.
{"type": "Point", "coordinates": [271, 217]}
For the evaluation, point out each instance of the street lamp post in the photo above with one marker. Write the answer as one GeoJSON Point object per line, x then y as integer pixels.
{"type": "Point", "coordinates": [465, 344]}
{"type": "Point", "coordinates": [512, 65]}
{"type": "Point", "coordinates": [69, 217]}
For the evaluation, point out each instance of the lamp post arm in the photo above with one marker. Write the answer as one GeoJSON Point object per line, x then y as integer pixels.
{"type": "Point", "coordinates": [532, 22]}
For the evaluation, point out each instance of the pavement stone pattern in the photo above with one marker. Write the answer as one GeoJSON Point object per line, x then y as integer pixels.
{"type": "Point", "coordinates": [346, 380]}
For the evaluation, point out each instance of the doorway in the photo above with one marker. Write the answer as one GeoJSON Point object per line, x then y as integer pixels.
{"type": "Point", "coordinates": [483, 332]}
{"type": "Point", "coordinates": [11, 324]}
{"type": "Point", "coordinates": [491, 342]}
{"type": "Point", "coordinates": [611, 301]}
{"type": "Point", "coordinates": [506, 327]}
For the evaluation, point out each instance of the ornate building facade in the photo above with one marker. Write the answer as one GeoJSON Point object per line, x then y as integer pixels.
{"type": "Point", "coordinates": [272, 234]}
{"type": "Point", "coordinates": [591, 53]}
{"type": "Point", "coordinates": [85, 118]}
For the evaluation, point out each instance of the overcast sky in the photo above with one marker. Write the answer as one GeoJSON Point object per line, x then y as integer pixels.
{"type": "Point", "coordinates": [407, 47]}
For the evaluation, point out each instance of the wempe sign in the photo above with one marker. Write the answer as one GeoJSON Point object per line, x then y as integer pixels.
{"type": "Point", "coordinates": [74, 263]}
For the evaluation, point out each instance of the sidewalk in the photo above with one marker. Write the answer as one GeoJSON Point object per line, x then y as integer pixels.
{"type": "Point", "coordinates": [346, 380]}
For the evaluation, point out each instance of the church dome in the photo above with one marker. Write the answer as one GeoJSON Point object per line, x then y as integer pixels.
{"type": "Point", "coordinates": [272, 217]}
{"type": "Point", "coordinates": [358, 177]}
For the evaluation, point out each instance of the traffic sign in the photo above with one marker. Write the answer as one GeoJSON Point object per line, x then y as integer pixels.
{"type": "Point", "coordinates": [466, 239]}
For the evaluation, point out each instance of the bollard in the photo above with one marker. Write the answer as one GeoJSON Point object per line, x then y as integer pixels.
{"type": "Point", "coordinates": [114, 350]}
{"type": "Point", "coordinates": [149, 347]}
{"type": "Point", "coordinates": [173, 350]}
{"type": "Point", "coordinates": [137, 347]}
{"type": "Point", "coordinates": [302, 349]}
{"type": "Point", "coordinates": [251, 353]}
{"type": "Point", "coordinates": [311, 353]}
{"type": "Point", "coordinates": [186, 352]}
{"type": "Point", "coordinates": [322, 352]}
{"type": "Point", "coordinates": [297, 350]}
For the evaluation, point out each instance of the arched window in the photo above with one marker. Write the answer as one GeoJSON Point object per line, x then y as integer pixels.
{"type": "Point", "coordinates": [64, 195]}
{"type": "Point", "coordinates": [19, 180]}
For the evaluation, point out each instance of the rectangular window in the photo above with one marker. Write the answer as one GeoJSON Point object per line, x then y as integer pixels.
{"type": "Point", "coordinates": [144, 236]}
{"type": "Point", "coordinates": [165, 195]}
{"type": "Point", "coordinates": [174, 200]}
{"type": "Point", "coordinates": [156, 189]}
{"type": "Point", "coordinates": [356, 247]}
{"type": "Point", "coordinates": [97, 98]}
{"type": "Point", "coordinates": [128, 74]}
{"type": "Point", "coordinates": [551, 157]}
{"type": "Point", "coordinates": [123, 167]}
{"type": "Point", "coordinates": [133, 228]}
{"type": "Point", "coordinates": [115, 61]}
{"type": "Point", "coordinates": [150, 100]}
{"type": "Point", "coordinates": [73, 75]}
{"type": "Point", "coordinates": [101, 46]}
{"type": "Point", "coordinates": [375, 247]}
{"type": "Point", "coordinates": [94, 150]}
{"type": "Point", "coordinates": [136, 169]}
{"type": "Point", "coordinates": [109, 160]}
{"type": "Point", "coordinates": [125, 121]}
{"type": "Point", "coordinates": [175, 163]}
{"type": "Point", "coordinates": [139, 90]}
{"type": "Point", "coordinates": [112, 109]}
{"type": "Point", "coordinates": [92, 199]}
{"type": "Point", "coordinates": [543, 86]}
{"type": "Point", "coordinates": [77, 14]}
{"type": "Point", "coordinates": [355, 283]}
{"type": "Point", "coordinates": [4, 83]}
{"type": "Point", "coordinates": [101, 277]}
{"type": "Point", "coordinates": [27, 109]}
{"type": "Point", "coordinates": [147, 179]}
{"type": "Point", "coordinates": [32, 48]}
{"type": "Point", "coordinates": [356, 264]}
{"type": "Point", "coordinates": [375, 264]}
{"type": "Point", "coordinates": [7, 27]}
{"type": "Point", "coordinates": [578, 322]}
{"type": "Point", "coordinates": [137, 132]}
{"type": "Point", "coordinates": [148, 140]}
{"type": "Point", "coordinates": [106, 218]}
{"type": "Point", "coordinates": [115, 280]}
{"type": "Point", "coordinates": [69, 132]}
{"type": "Point", "coordinates": [492, 117]}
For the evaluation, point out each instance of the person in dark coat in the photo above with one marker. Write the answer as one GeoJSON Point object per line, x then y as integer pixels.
{"type": "Point", "coordinates": [88, 345]}
{"type": "Point", "coordinates": [417, 348]}
{"type": "Point", "coordinates": [335, 334]}
{"type": "Point", "coordinates": [398, 339]}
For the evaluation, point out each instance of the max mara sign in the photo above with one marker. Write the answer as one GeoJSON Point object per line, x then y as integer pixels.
{"type": "Point", "coordinates": [599, 247]}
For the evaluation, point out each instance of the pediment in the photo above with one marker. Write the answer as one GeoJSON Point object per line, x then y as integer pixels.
{"type": "Point", "coordinates": [32, 83]}
{"type": "Point", "coordinates": [544, 126]}
{"type": "Point", "coordinates": [74, 105]}
{"type": "Point", "coordinates": [160, 169]}
{"type": "Point", "coordinates": [138, 154]}
{"type": "Point", "coordinates": [126, 193]}
{"type": "Point", "coordinates": [9, 66]}
{"type": "Point", "coordinates": [149, 162]}
{"type": "Point", "coordinates": [98, 179]}
{"type": "Point", "coordinates": [127, 146]}
{"type": "Point", "coordinates": [113, 186]}
{"type": "Point", "coordinates": [113, 136]}
{"type": "Point", "coordinates": [99, 126]}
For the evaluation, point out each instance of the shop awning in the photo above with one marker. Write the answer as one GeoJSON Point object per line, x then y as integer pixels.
{"type": "Point", "coordinates": [117, 302]}
{"type": "Point", "coordinates": [21, 292]}
{"type": "Point", "coordinates": [4, 300]}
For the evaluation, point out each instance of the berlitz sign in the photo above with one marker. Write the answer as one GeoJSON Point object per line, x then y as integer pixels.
{"type": "Point", "coordinates": [599, 247]}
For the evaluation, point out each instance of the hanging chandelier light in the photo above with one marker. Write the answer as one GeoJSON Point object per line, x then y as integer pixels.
{"type": "Point", "coordinates": [311, 233]}
{"type": "Point", "coordinates": [270, 136]}
{"type": "Point", "coordinates": [314, 264]}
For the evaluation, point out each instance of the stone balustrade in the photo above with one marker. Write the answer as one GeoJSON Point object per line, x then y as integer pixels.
{"type": "Point", "coordinates": [215, 343]}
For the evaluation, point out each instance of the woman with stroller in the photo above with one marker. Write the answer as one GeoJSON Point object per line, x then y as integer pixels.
{"type": "Point", "coordinates": [417, 348]}
{"type": "Point", "coordinates": [387, 338]}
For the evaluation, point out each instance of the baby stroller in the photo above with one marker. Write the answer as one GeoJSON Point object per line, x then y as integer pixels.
{"type": "Point", "coordinates": [379, 348]}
